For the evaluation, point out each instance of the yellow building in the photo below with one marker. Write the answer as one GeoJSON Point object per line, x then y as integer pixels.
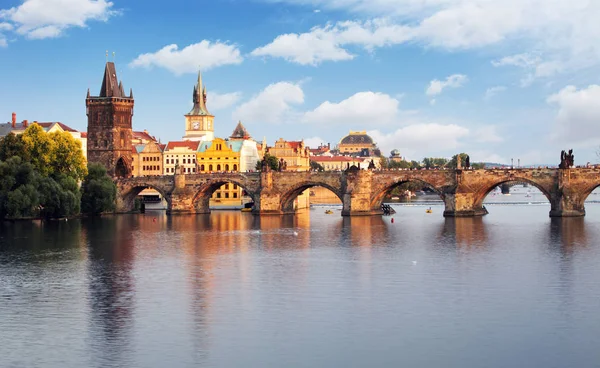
{"type": "Point", "coordinates": [294, 153]}
{"type": "Point", "coordinates": [147, 159]}
{"type": "Point", "coordinates": [220, 155]}
{"type": "Point", "coordinates": [199, 123]}
{"type": "Point", "coordinates": [355, 142]}
{"type": "Point", "coordinates": [297, 158]}
{"type": "Point", "coordinates": [180, 156]}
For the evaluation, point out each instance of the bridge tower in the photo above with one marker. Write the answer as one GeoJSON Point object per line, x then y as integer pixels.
{"type": "Point", "coordinates": [109, 125]}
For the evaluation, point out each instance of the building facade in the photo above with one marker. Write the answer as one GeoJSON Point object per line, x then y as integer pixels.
{"type": "Point", "coordinates": [109, 129]}
{"type": "Point", "coordinates": [180, 156]}
{"type": "Point", "coordinates": [148, 159]}
{"type": "Point", "coordinates": [356, 142]}
{"type": "Point", "coordinates": [294, 153]}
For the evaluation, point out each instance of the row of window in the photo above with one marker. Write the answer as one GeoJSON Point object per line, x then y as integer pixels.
{"type": "Point", "coordinates": [154, 167]}
{"type": "Point", "coordinates": [218, 167]}
{"type": "Point", "coordinates": [218, 195]}
{"type": "Point", "coordinates": [151, 159]}
{"type": "Point", "coordinates": [185, 161]}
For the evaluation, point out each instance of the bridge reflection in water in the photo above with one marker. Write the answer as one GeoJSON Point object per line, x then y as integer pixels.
{"type": "Point", "coordinates": [362, 191]}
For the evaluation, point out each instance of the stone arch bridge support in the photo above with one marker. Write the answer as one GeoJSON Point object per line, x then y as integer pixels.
{"type": "Point", "coordinates": [362, 191]}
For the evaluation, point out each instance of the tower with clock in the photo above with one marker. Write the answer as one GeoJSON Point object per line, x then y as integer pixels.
{"type": "Point", "coordinates": [199, 123]}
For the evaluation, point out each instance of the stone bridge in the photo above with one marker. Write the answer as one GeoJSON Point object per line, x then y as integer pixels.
{"type": "Point", "coordinates": [362, 191]}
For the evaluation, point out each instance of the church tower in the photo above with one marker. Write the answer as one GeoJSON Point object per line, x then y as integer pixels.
{"type": "Point", "coordinates": [109, 125]}
{"type": "Point", "coordinates": [199, 123]}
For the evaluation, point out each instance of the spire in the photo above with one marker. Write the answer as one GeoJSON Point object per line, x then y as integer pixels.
{"type": "Point", "coordinates": [199, 98]}
{"type": "Point", "coordinates": [131, 93]}
{"type": "Point", "coordinates": [121, 89]}
{"type": "Point", "coordinates": [88, 94]}
{"type": "Point", "coordinates": [240, 132]}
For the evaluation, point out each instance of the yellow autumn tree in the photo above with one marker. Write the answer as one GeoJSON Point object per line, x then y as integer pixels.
{"type": "Point", "coordinates": [38, 148]}
{"type": "Point", "coordinates": [67, 157]}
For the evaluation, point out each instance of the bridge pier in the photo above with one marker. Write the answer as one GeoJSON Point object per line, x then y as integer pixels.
{"type": "Point", "coordinates": [462, 205]}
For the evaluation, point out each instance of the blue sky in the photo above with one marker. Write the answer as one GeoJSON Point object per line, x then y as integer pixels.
{"type": "Point", "coordinates": [498, 79]}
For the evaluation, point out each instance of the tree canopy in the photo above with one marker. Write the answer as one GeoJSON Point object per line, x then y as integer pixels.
{"type": "Point", "coordinates": [99, 192]}
{"type": "Point", "coordinates": [272, 161]}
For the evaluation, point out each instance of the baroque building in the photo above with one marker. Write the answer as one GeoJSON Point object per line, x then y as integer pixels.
{"type": "Point", "coordinates": [180, 156]}
{"type": "Point", "coordinates": [199, 123]}
{"type": "Point", "coordinates": [356, 142]}
{"type": "Point", "coordinates": [109, 125]}
{"type": "Point", "coordinates": [296, 157]}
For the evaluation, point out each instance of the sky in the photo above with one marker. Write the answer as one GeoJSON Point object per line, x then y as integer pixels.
{"type": "Point", "coordinates": [498, 79]}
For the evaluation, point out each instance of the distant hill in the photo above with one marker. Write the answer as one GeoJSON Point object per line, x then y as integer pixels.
{"type": "Point", "coordinates": [489, 165]}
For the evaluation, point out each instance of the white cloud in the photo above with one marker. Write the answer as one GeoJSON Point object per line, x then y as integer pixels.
{"type": "Point", "coordinates": [487, 134]}
{"type": "Point", "coordinates": [203, 55]}
{"type": "Point", "coordinates": [563, 33]}
{"type": "Point", "coordinates": [272, 105]}
{"type": "Point", "coordinates": [6, 27]}
{"type": "Point", "coordinates": [454, 81]}
{"type": "Point", "coordinates": [314, 142]}
{"type": "Point", "coordinates": [363, 108]}
{"type": "Point", "coordinates": [305, 49]}
{"type": "Point", "coordinates": [493, 91]}
{"type": "Point", "coordinates": [218, 101]}
{"type": "Point", "coordinates": [577, 116]}
{"type": "Point", "coordinates": [421, 138]}
{"type": "Point", "coordinates": [3, 42]}
{"type": "Point", "coordinates": [38, 19]}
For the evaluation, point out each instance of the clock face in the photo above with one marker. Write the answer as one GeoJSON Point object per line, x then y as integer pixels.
{"type": "Point", "coordinates": [195, 125]}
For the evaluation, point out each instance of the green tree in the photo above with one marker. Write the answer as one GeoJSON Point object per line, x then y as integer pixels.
{"type": "Point", "coordinates": [18, 189]}
{"type": "Point", "coordinates": [272, 161]}
{"type": "Point", "coordinates": [67, 157]}
{"type": "Point", "coordinates": [434, 162]}
{"type": "Point", "coordinates": [39, 148]}
{"type": "Point", "coordinates": [98, 192]}
{"type": "Point", "coordinates": [11, 145]}
{"type": "Point", "coordinates": [315, 166]}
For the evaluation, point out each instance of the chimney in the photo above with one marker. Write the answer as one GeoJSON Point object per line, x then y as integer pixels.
{"type": "Point", "coordinates": [14, 120]}
{"type": "Point", "coordinates": [25, 123]}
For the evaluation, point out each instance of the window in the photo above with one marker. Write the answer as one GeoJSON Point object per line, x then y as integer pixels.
{"type": "Point", "coordinates": [226, 186]}
{"type": "Point", "coordinates": [218, 194]}
{"type": "Point", "coordinates": [219, 167]}
{"type": "Point", "coordinates": [226, 167]}
{"type": "Point", "coordinates": [234, 195]}
{"type": "Point", "coordinates": [226, 195]}
{"type": "Point", "coordinates": [210, 167]}
{"type": "Point", "coordinates": [235, 167]}
{"type": "Point", "coordinates": [201, 167]}
{"type": "Point", "coordinates": [234, 186]}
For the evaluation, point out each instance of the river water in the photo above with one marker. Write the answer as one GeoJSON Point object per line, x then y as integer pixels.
{"type": "Point", "coordinates": [512, 289]}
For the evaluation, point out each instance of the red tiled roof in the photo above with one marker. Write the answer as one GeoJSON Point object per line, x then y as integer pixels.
{"type": "Point", "coordinates": [48, 125]}
{"type": "Point", "coordinates": [189, 144]}
{"type": "Point", "coordinates": [162, 146]}
{"type": "Point", "coordinates": [294, 144]}
{"type": "Point", "coordinates": [84, 135]}
{"type": "Point", "coordinates": [143, 135]}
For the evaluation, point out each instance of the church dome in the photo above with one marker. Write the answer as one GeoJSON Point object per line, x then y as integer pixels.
{"type": "Point", "coordinates": [395, 152]}
{"type": "Point", "coordinates": [357, 138]}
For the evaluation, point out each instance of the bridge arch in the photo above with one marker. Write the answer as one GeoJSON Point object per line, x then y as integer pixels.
{"type": "Point", "coordinates": [128, 193]}
{"type": "Point", "coordinates": [588, 190]}
{"type": "Point", "coordinates": [481, 194]}
{"type": "Point", "coordinates": [203, 193]}
{"type": "Point", "coordinates": [378, 196]}
{"type": "Point", "coordinates": [288, 197]}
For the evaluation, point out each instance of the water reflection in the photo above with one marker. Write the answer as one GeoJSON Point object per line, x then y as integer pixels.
{"type": "Point", "coordinates": [464, 232]}
{"type": "Point", "coordinates": [568, 233]}
{"type": "Point", "coordinates": [363, 231]}
{"type": "Point", "coordinates": [111, 287]}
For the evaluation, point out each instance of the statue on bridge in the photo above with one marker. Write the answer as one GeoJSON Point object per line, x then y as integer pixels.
{"type": "Point", "coordinates": [567, 159]}
{"type": "Point", "coordinates": [372, 165]}
{"type": "Point", "coordinates": [468, 162]}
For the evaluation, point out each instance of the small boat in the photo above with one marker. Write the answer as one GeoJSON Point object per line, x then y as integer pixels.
{"type": "Point", "coordinates": [428, 210]}
{"type": "Point", "coordinates": [328, 212]}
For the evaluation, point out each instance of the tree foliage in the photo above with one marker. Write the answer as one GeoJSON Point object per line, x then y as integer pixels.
{"type": "Point", "coordinates": [315, 166]}
{"type": "Point", "coordinates": [39, 174]}
{"type": "Point", "coordinates": [99, 192]}
{"type": "Point", "coordinates": [272, 162]}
